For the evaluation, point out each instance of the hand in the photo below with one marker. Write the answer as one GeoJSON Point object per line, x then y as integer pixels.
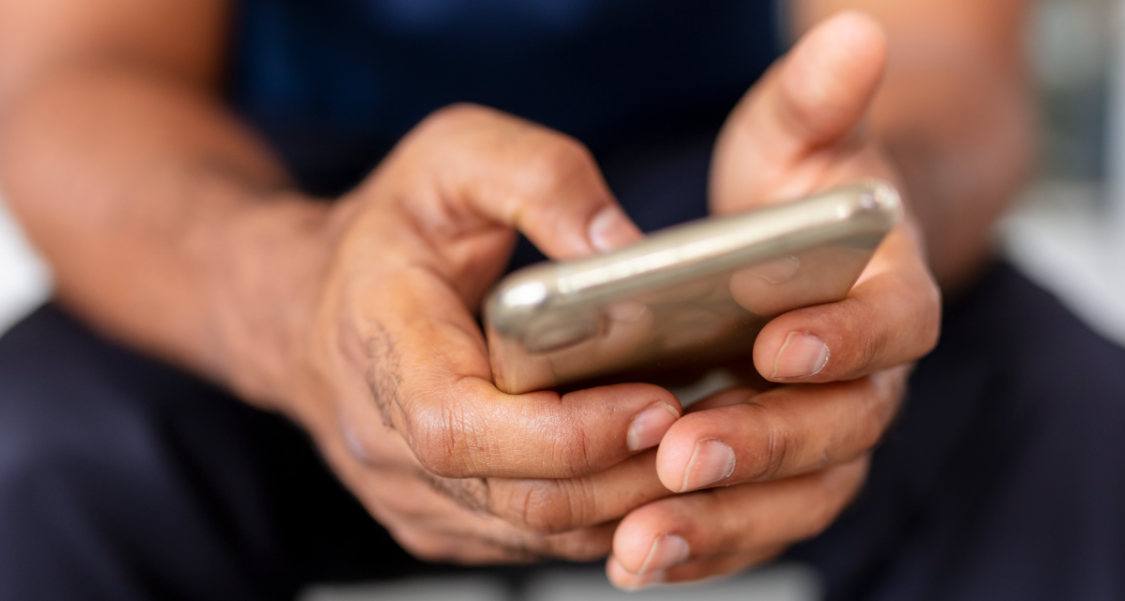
{"type": "Point", "coordinates": [788, 460]}
{"type": "Point", "coordinates": [396, 388]}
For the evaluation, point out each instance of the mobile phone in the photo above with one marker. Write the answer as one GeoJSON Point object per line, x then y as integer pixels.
{"type": "Point", "coordinates": [697, 292]}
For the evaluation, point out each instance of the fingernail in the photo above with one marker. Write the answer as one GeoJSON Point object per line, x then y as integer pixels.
{"type": "Point", "coordinates": [801, 356]}
{"type": "Point", "coordinates": [777, 272]}
{"type": "Point", "coordinates": [649, 426]}
{"type": "Point", "coordinates": [711, 462]}
{"type": "Point", "coordinates": [648, 580]}
{"type": "Point", "coordinates": [627, 311]}
{"type": "Point", "coordinates": [611, 229]}
{"type": "Point", "coordinates": [667, 551]}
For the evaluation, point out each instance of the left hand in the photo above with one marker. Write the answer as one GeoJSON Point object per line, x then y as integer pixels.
{"type": "Point", "coordinates": [772, 468]}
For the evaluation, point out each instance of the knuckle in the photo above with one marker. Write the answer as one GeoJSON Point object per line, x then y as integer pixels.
{"type": "Point", "coordinates": [781, 444]}
{"type": "Point", "coordinates": [540, 506]}
{"type": "Point", "coordinates": [574, 453]}
{"type": "Point", "coordinates": [872, 343]}
{"type": "Point", "coordinates": [436, 445]}
{"type": "Point", "coordinates": [555, 161]}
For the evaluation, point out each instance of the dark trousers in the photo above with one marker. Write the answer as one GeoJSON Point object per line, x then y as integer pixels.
{"type": "Point", "coordinates": [123, 479]}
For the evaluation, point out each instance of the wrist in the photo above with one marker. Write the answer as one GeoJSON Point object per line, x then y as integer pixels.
{"type": "Point", "coordinates": [267, 256]}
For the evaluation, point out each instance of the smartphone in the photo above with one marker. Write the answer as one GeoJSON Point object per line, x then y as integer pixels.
{"type": "Point", "coordinates": [696, 293]}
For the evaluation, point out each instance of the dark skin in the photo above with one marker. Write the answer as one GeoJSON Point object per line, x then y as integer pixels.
{"type": "Point", "coordinates": [171, 228]}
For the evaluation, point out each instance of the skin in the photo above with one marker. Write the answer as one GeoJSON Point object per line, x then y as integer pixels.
{"type": "Point", "coordinates": [171, 228]}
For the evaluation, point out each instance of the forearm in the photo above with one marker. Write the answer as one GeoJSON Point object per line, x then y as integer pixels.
{"type": "Point", "coordinates": [167, 225]}
{"type": "Point", "coordinates": [955, 114]}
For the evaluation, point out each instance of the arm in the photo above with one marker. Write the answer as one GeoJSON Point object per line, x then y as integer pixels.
{"type": "Point", "coordinates": [159, 213]}
{"type": "Point", "coordinates": [955, 114]}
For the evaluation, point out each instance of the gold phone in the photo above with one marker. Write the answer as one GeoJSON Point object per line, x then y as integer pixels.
{"type": "Point", "coordinates": [696, 293]}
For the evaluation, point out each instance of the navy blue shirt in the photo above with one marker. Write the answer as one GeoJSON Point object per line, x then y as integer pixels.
{"type": "Point", "coordinates": [333, 84]}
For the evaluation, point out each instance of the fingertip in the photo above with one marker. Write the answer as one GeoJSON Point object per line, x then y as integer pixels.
{"type": "Point", "coordinates": [631, 543]}
{"type": "Point", "coordinates": [649, 426]}
{"type": "Point", "coordinates": [690, 454]}
{"type": "Point", "coordinates": [611, 229]}
{"type": "Point", "coordinates": [627, 581]}
{"type": "Point", "coordinates": [672, 459]}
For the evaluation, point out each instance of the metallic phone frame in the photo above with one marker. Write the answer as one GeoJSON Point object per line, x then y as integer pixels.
{"type": "Point", "coordinates": [538, 318]}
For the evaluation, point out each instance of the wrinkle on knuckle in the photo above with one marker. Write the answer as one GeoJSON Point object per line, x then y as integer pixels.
{"type": "Point", "coordinates": [872, 345]}
{"type": "Point", "coordinates": [436, 442]}
{"type": "Point", "coordinates": [572, 453]}
{"type": "Point", "coordinates": [542, 507]}
{"type": "Point", "coordinates": [779, 444]}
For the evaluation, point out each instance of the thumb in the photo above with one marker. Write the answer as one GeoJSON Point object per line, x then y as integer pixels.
{"type": "Point", "coordinates": [811, 99]}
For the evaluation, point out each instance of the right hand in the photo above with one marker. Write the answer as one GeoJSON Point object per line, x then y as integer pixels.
{"type": "Point", "coordinates": [394, 382]}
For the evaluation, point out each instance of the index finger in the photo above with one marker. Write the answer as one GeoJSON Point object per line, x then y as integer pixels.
{"type": "Point", "coordinates": [519, 174]}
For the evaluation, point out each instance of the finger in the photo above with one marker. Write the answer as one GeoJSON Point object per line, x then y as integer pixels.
{"type": "Point", "coordinates": [433, 385]}
{"type": "Point", "coordinates": [787, 431]}
{"type": "Point", "coordinates": [813, 98]}
{"type": "Point", "coordinates": [491, 544]}
{"type": "Point", "coordinates": [695, 571]}
{"type": "Point", "coordinates": [451, 520]}
{"type": "Point", "coordinates": [732, 521]}
{"type": "Point", "coordinates": [519, 174]}
{"type": "Point", "coordinates": [544, 506]}
{"type": "Point", "coordinates": [891, 317]}
{"type": "Point", "coordinates": [560, 505]}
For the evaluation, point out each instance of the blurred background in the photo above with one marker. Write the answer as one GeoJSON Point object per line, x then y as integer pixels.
{"type": "Point", "coordinates": [1067, 233]}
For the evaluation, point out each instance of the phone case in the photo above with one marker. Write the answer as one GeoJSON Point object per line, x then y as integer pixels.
{"type": "Point", "coordinates": [696, 293]}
